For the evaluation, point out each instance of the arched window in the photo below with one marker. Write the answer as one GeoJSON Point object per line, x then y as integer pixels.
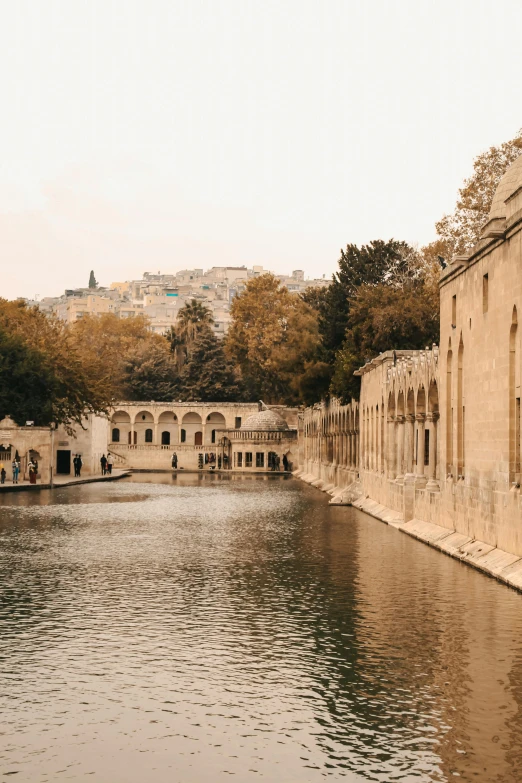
{"type": "Point", "coordinates": [148, 436]}
{"type": "Point", "coordinates": [165, 438]}
{"type": "Point", "coordinates": [115, 435]}
{"type": "Point", "coordinates": [183, 436]}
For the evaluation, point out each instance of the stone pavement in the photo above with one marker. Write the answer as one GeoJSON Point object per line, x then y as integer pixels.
{"type": "Point", "coordinates": [62, 481]}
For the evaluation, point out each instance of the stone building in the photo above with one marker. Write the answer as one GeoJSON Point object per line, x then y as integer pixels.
{"type": "Point", "coordinates": [146, 435]}
{"type": "Point", "coordinates": [438, 431]}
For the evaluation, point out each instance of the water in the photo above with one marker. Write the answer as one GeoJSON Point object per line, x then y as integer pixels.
{"type": "Point", "coordinates": [195, 629]}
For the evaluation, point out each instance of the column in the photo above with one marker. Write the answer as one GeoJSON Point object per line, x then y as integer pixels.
{"type": "Point", "coordinates": [399, 472]}
{"type": "Point", "coordinates": [420, 419]}
{"type": "Point", "coordinates": [392, 448]}
{"type": "Point", "coordinates": [431, 421]}
{"type": "Point", "coordinates": [155, 433]}
{"type": "Point", "coordinates": [408, 442]}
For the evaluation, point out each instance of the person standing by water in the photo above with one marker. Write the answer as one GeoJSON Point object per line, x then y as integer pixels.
{"type": "Point", "coordinates": [285, 462]}
{"type": "Point", "coordinates": [16, 470]}
{"type": "Point", "coordinates": [174, 461]}
{"type": "Point", "coordinates": [32, 473]}
{"type": "Point", "coordinates": [109, 464]}
{"type": "Point", "coordinates": [75, 465]}
{"type": "Point", "coordinates": [79, 464]}
{"type": "Point", "coordinates": [103, 463]}
{"type": "Point", "coordinates": [3, 474]}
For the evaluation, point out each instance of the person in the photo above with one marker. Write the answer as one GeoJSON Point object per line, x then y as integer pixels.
{"type": "Point", "coordinates": [103, 463]}
{"type": "Point", "coordinates": [174, 461]}
{"type": "Point", "coordinates": [32, 473]}
{"type": "Point", "coordinates": [109, 464]}
{"type": "Point", "coordinates": [285, 462]}
{"type": "Point", "coordinates": [3, 474]}
{"type": "Point", "coordinates": [75, 464]}
{"type": "Point", "coordinates": [16, 470]}
{"type": "Point", "coordinates": [79, 464]}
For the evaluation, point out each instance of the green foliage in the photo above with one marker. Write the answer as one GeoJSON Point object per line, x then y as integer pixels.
{"type": "Point", "coordinates": [92, 280]}
{"type": "Point", "coordinates": [207, 374]}
{"type": "Point", "coordinates": [149, 373]}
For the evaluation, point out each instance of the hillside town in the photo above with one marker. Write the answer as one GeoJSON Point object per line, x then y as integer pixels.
{"type": "Point", "coordinates": [160, 297]}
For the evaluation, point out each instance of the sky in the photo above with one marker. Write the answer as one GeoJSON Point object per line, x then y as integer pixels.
{"type": "Point", "coordinates": [161, 135]}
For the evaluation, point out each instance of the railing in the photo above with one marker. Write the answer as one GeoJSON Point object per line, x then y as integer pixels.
{"type": "Point", "coordinates": [262, 435]}
{"type": "Point", "coordinates": [160, 447]}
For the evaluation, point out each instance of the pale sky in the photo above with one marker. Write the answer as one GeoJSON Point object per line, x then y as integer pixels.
{"type": "Point", "coordinates": [165, 134]}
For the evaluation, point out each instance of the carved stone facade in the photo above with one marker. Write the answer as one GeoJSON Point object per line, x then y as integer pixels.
{"type": "Point", "coordinates": [439, 432]}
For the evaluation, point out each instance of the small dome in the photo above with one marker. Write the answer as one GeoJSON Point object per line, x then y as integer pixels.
{"type": "Point", "coordinates": [510, 182]}
{"type": "Point", "coordinates": [265, 420]}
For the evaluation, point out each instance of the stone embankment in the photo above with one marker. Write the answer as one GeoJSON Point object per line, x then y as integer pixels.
{"type": "Point", "coordinates": [501, 565]}
{"type": "Point", "coordinates": [62, 482]}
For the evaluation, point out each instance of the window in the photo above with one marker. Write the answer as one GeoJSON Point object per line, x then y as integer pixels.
{"type": "Point", "coordinates": [454, 310]}
{"type": "Point", "coordinates": [148, 436]}
{"type": "Point", "coordinates": [426, 447]}
{"type": "Point", "coordinates": [238, 422]}
{"type": "Point", "coordinates": [213, 436]}
{"type": "Point", "coordinates": [248, 459]}
{"type": "Point", "coordinates": [165, 438]}
{"type": "Point", "coordinates": [485, 292]}
{"type": "Point", "coordinates": [260, 459]}
{"type": "Point", "coordinates": [239, 459]}
{"type": "Point", "coordinates": [183, 436]}
{"type": "Point", "coordinates": [115, 435]}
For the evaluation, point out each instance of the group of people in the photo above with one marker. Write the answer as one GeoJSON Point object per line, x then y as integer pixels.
{"type": "Point", "coordinates": [32, 469]}
{"type": "Point", "coordinates": [77, 464]}
{"type": "Point", "coordinates": [106, 463]}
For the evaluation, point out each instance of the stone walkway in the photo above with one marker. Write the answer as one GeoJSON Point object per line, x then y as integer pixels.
{"type": "Point", "coordinates": [62, 481]}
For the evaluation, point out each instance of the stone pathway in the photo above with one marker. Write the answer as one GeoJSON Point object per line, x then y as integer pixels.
{"type": "Point", "coordinates": [62, 481]}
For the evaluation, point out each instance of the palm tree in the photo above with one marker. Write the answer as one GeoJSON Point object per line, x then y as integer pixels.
{"type": "Point", "coordinates": [193, 318]}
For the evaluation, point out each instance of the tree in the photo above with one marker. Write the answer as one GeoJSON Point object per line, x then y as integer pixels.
{"type": "Point", "coordinates": [274, 340]}
{"type": "Point", "coordinates": [105, 341]}
{"type": "Point", "coordinates": [458, 232]}
{"type": "Point", "coordinates": [149, 372]}
{"type": "Point", "coordinates": [192, 317]}
{"type": "Point", "coordinates": [92, 280]}
{"type": "Point", "coordinates": [379, 262]}
{"type": "Point", "coordinates": [382, 318]}
{"type": "Point", "coordinates": [42, 376]}
{"type": "Point", "coordinates": [207, 374]}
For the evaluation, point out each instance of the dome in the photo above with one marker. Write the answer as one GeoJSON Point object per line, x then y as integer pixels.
{"type": "Point", "coordinates": [265, 420]}
{"type": "Point", "coordinates": [510, 182]}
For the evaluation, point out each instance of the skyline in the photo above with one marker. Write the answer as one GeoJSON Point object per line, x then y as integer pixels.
{"type": "Point", "coordinates": [172, 135]}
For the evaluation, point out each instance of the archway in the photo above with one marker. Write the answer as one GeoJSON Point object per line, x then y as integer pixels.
{"type": "Point", "coordinates": [168, 422]}
{"type": "Point", "coordinates": [120, 427]}
{"type": "Point", "coordinates": [192, 425]}
{"type": "Point", "coordinates": [215, 423]}
{"type": "Point", "coordinates": [143, 421]}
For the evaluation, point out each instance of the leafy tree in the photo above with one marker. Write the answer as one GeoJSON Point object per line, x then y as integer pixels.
{"type": "Point", "coordinates": [379, 262]}
{"type": "Point", "coordinates": [92, 280]}
{"type": "Point", "coordinates": [274, 340]}
{"type": "Point", "coordinates": [458, 232]}
{"type": "Point", "coordinates": [149, 373]}
{"type": "Point", "coordinates": [382, 318]}
{"type": "Point", "coordinates": [42, 375]}
{"type": "Point", "coordinates": [207, 374]}
{"type": "Point", "coordinates": [105, 341]}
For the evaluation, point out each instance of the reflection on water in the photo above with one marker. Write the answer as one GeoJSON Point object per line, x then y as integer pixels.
{"type": "Point", "coordinates": [198, 628]}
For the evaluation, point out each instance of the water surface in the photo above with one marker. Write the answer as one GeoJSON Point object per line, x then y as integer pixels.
{"type": "Point", "coordinates": [207, 628]}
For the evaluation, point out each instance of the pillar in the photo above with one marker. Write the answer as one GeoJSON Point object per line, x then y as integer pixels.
{"type": "Point", "coordinates": [408, 442]}
{"type": "Point", "coordinates": [420, 420]}
{"type": "Point", "coordinates": [392, 448]}
{"type": "Point", "coordinates": [399, 472]}
{"type": "Point", "coordinates": [431, 421]}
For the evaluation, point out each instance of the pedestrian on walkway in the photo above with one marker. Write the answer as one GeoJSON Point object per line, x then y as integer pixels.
{"type": "Point", "coordinates": [174, 461]}
{"type": "Point", "coordinates": [79, 464]}
{"type": "Point", "coordinates": [109, 464]}
{"type": "Point", "coordinates": [16, 471]}
{"type": "Point", "coordinates": [3, 474]}
{"type": "Point", "coordinates": [103, 463]}
{"type": "Point", "coordinates": [75, 465]}
{"type": "Point", "coordinates": [285, 462]}
{"type": "Point", "coordinates": [32, 473]}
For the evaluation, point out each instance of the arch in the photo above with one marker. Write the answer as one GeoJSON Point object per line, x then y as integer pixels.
{"type": "Point", "coordinates": [433, 397]}
{"type": "Point", "coordinates": [449, 411]}
{"type": "Point", "coordinates": [214, 424]}
{"type": "Point", "coordinates": [460, 408]}
{"type": "Point", "coordinates": [168, 422]}
{"type": "Point", "coordinates": [120, 416]}
{"type": "Point", "coordinates": [400, 403]}
{"type": "Point", "coordinates": [143, 421]}
{"type": "Point", "coordinates": [192, 425]}
{"type": "Point", "coordinates": [514, 401]}
{"type": "Point", "coordinates": [420, 406]}
{"type": "Point", "coordinates": [121, 427]}
{"type": "Point", "coordinates": [410, 402]}
{"type": "Point", "coordinates": [165, 438]}
{"type": "Point", "coordinates": [391, 404]}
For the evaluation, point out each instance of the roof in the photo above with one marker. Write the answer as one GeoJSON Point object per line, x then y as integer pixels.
{"type": "Point", "coordinates": [508, 185]}
{"type": "Point", "coordinates": [265, 421]}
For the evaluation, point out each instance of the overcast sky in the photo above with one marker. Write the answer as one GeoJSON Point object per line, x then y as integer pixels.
{"type": "Point", "coordinates": [146, 135]}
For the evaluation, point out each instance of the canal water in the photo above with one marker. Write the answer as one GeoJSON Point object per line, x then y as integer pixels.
{"type": "Point", "coordinates": [206, 629]}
